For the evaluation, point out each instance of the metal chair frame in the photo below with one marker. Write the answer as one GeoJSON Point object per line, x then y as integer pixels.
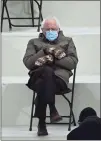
{"type": "Point", "coordinates": [39, 18]}
{"type": "Point", "coordinates": [70, 102]}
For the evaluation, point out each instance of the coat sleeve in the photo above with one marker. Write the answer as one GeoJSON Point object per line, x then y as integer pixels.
{"type": "Point", "coordinates": [70, 61]}
{"type": "Point", "coordinates": [31, 55]}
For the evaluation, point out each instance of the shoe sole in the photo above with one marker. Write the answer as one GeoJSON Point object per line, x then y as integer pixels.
{"type": "Point", "coordinates": [41, 134]}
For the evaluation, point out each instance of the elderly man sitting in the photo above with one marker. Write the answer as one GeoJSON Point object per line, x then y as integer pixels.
{"type": "Point", "coordinates": [50, 59]}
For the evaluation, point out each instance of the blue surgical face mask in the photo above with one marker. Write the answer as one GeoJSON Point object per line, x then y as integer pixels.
{"type": "Point", "coordinates": [51, 35]}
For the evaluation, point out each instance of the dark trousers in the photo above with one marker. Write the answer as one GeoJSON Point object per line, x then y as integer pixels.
{"type": "Point", "coordinates": [46, 84]}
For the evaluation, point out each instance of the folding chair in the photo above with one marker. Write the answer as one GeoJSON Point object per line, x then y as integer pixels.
{"type": "Point", "coordinates": [39, 18]}
{"type": "Point", "coordinates": [70, 102]}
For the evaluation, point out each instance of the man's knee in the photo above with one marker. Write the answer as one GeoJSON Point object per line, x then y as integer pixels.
{"type": "Point", "coordinates": [48, 70]}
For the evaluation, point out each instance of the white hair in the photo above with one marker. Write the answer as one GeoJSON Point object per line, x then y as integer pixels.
{"type": "Point", "coordinates": [50, 18]}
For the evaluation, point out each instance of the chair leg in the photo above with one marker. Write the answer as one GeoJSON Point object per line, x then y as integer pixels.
{"type": "Point", "coordinates": [71, 111]}
{"type": "Point", "coordinates": [32, 11]}
{"type": "Point", "coordinates": [31, 119]}
{"type": "Point", "coordinates": [69, 128]}
{"type": "Point", "coordinates": [10, 25]}
{"type": "Point", "coordinates": [73, 118]}
{"type": "Point", "coordinates": [71, 114]}
{"type": "Point", "coordinates": [40, 16]}
{"type": "Point", "coordinates": [2, 14]}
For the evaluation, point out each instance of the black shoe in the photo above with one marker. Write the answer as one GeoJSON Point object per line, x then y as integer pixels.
{"type": "Point", "coordinates": [42, 131]}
